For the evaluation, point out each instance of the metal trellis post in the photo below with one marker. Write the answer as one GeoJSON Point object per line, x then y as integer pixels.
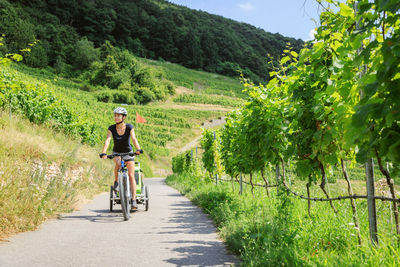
{"type": "Point", "coordinates": [277, 178]}
{"type": "Point", "coordinates": [369, 165]}
{"type": "Point", "coordinates": [373, 228]}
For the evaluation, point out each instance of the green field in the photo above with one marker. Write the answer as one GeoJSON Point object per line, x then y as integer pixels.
{"type": "Point", "coordinates": [208, 99]}
{"type": "Point", "coordinates": [199, 81]}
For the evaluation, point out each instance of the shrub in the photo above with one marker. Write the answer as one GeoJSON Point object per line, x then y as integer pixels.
{"type": "Point", "coordinates": [170, 87]}
{"type": "Point", "coordinates": [84, 54]}
{"type": "Point", "coordinates": [120, 77]}
{"type": "Point", "coordinates": [36, 57]}
{"type": "Point", "coordinates": [105, 96]}
{"type": "Point", "coordinates": [125, 60]}
{"type": "Point", "coordinates": [86, 87]}
{"type": "Point", "coordinates": [104, 72]}
{"type": "Point", "coordinates": [116, 96]}
{"type": "Point", "coordinates": [143, 77]}
{"type": "Point", "coordinates": [124, 97]}
{"type": "Point", "coordinates": [60, 66]}
{"type": "Point", "coordinates": [119, 69]}
{"type": "Point", "coordinates": [144, 95]}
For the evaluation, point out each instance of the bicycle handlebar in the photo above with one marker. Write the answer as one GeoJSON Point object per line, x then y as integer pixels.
{"type": "Point", "coordinates": [132, 154]}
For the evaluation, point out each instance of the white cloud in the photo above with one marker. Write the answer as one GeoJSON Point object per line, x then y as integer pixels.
{"type": "Point", "coordinates": [246, 6]}
{"type": "Point", "coordinates": [311, 34]}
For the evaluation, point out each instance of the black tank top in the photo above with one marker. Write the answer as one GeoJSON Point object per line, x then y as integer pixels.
{"type": "Point", "coordinates": [122, 143]}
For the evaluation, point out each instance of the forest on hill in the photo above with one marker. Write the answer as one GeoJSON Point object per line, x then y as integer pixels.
{"type": "Point", "coordinates": [153, 29]}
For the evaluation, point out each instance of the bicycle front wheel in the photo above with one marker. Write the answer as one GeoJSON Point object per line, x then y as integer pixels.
{"type": "Point", "coordinates": [124, 196]}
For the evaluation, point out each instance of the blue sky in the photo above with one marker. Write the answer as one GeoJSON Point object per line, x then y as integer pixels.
{"type": "Point", "coordinates": [293, 18]}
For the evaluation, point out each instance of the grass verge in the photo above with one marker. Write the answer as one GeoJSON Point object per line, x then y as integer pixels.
{"type": "Point", "coordinates": [43, 173]}
{"type": "Point", "coordinates": [277, 231]}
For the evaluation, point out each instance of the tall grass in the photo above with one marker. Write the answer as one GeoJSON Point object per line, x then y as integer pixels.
{"type": "Point", "coordinates": [43, 173]}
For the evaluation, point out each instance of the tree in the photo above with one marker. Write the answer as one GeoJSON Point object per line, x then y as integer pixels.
{"type": "Point", "coordinates": [84, 54]}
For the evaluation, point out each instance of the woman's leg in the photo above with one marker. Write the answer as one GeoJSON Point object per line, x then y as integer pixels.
{"type": "Point", "coordinates": [117, 162]}
{"type": "Point", "coordinates": [131, 174]}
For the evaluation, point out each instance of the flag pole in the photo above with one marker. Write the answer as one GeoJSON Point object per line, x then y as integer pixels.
{"type": "Point", "coordinates": [136, 124]}
{"type": "Point", "coordinates": [138, 120]}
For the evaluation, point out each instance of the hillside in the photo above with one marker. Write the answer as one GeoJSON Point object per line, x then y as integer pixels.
{"type": "Point", "coordinates": [78, 108]}
{"type": "Point", "coordinates": [58, 126]}
{"type": "Point", "coordinates": [153, 29]}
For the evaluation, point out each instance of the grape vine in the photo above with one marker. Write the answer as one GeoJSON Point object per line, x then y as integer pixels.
{"type": "Point", "coordinates": [334, 103]}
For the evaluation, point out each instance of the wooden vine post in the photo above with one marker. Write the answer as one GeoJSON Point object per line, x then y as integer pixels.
{"type": "Point", "coordinates": [308, 198]}
{"type": "Point", "coordinates": [277, 174]}
{"type": "Point", "coordinates": [390, 183]}
{"type": "Point", "coordinates": [265, 181]}
{"type": "Point", "coordinates": [352, 201]}
{"type": "Point", "coordinates": [241, 185]}
{"type": "Point", "coordinates": [251, 183]}
{"type": "Point", "coordinates": [322, 185]}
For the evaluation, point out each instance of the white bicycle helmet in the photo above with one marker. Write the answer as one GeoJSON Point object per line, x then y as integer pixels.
{"type": "Point", "coordinates": [120, 110]}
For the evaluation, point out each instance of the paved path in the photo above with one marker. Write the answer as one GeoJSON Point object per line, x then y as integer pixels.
{"type": "Point", "coordinates": [172, 233]}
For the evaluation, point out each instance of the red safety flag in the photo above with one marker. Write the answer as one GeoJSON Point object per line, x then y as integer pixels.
{"type": "Point", "coordinates": [140, 119]}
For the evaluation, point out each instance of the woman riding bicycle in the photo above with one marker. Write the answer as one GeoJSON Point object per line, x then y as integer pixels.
{"type": "Point", "coordinates": [121, 133]}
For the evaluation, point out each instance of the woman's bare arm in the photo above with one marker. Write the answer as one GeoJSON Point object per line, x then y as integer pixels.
{"type": "Point", "coordinates": [107, 142]}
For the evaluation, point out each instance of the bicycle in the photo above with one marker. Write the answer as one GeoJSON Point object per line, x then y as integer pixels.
{"type": "Point", "coordinates": [123, 195]}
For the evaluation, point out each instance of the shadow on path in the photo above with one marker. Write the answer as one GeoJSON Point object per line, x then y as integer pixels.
{"type": "Point", "coordinates": [187, 219]}
{"type": "Point", "coordinates": [208, 253]}
{"type": "Point", "coordinates": [203, 251]}
{"type": "Point", "coordinates": [102, 216]}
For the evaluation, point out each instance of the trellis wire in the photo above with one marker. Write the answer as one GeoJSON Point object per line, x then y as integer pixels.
{"type": "Point", "coordinates": [355, 196]}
